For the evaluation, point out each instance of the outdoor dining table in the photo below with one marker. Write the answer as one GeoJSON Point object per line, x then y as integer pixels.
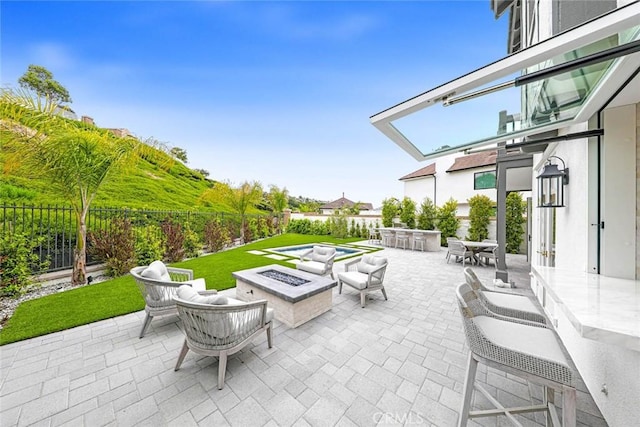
{"type": "Point", "coordinates": [477, 247]}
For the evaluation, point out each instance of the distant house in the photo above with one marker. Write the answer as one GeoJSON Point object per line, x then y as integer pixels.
{"type": "Point", "coordinates": [453, 176]}
{"type": "Point", "coordinates": [342, 203]}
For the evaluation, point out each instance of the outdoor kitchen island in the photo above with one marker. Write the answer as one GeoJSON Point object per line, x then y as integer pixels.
{"type": "Point", "coordinates": [295, 296]}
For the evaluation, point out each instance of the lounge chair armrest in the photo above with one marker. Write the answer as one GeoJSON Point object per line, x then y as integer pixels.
{"type": "Point", "coordinates": [305, 254]}
{"type": "Point", "coordinates": [208, 292]}
{"type": "Point", "coordinates": [350, 263]}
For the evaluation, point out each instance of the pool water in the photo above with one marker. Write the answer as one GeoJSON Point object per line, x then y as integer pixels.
{"type": "Point", "coordinates": [296, 251]}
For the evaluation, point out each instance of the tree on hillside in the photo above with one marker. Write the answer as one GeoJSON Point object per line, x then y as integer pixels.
{"type": "Point", "coordinates": [77, 161]}
{"type": "Point", "coordinates": [40, 80]}
{"type": "Point", "coordinates": [278, 201]}
{"type": "Point", "coordinates": [179, 153]}
{"type": "Point", "coordinates": [203, 172]}
{"type": "Point", "coordinates": [240, 199]}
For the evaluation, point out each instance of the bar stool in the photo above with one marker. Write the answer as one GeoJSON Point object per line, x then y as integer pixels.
{"type": "Point", "coordinates": [402, 236]}
{"type": "Point", "coordinates": [525, 349]}
{"type": "Point", "coordinates": [418, 238]}
{"type": "Point", "coordinates": [387, 237]}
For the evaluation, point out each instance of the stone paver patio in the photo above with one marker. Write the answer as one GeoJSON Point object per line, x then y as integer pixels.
{"type": "Point", "coordinates": [394, 362]}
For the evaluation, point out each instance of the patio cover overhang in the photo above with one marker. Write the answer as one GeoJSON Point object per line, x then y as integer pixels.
{"type": "Point", "coordinates": [514, 72]}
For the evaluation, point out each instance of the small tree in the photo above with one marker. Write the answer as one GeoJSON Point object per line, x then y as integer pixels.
{"type": "Point", "coordinates": [40, 80]}
{"type": "Point", "coordinates": [216, 235]}
{"type": "Point", "coordinates": [480, 212]}
{"type": "Point", "coordinates": [448, 222]}
{"type": "Point", "coordinates": [427, 215]}
{"type": "Point", "coordinates": [179, 153]}
{"type": "Point", "coordinates": [278, 201]}
{"type": "Point", "coordinates": [173, 240]}
{"type": "Point", "coordinates": [514, 221]}
{"type": "Point", "coordinates": [389, 211]}
{"type": "Point", "coordinates": [408, 212]}
{"type": "Point", "coordinates": [115, 246]}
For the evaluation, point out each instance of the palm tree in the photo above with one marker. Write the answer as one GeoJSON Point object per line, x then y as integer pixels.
{"type": "Point", "coordinates": [77, 160]}
{"type": "Point", "coordinates": [239, 199]}
{"type": "Point", "coordinates": [279, 201]}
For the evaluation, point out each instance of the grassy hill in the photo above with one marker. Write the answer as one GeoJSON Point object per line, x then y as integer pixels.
{"type": "Point", "coordinates": [156, 181]}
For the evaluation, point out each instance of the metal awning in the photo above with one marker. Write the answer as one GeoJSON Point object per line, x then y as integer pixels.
{"type": "Point", "coordinates": [556, 83]}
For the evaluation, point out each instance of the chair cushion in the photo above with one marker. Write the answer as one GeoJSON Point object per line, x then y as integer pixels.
{"type": "Point", "coordinates": [322, 254]}
{"type": "Point", "coordinates": [356, 279]}
{"type": "Point", "coordinates": [517, 302]}
{"type": "Point", "coordinates": [537, 342]}
{"type": "Point", "coordinates": [198, 284]}
{"type": "Point", "coordinates": [187, 293]}
{"type": "Point", "coordinates": [311, 266]}
{"type": "Point", "coordinates": [368, 263]}
{"type": "Point", "coordinates": [157, 271]}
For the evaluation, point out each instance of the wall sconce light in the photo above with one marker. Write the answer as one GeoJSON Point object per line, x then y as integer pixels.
{"type": "Point", "coordinates": [551, 184]}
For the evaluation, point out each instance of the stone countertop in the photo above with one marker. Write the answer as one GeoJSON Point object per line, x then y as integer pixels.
{"type": "Point", "coordinates": [601, 308]}
{"type": "Point", "coordinates": [293, 294]}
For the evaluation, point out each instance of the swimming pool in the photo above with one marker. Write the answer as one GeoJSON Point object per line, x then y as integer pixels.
{"type": "Point", "coordinates": [296, 251]}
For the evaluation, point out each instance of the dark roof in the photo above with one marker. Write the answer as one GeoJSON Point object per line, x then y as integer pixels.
{"type": "Point", "coordinates": [425, 171]}
{"type": "Point", "coordinates": [346, 203]}
{"type": "Point", "coordinates": [484, 158]}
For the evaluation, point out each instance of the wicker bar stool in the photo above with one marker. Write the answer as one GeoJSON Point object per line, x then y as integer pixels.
{"type": "Point", "coordinates": [525, 349]}
{"type": "Point", "coordinates": [503, 303]}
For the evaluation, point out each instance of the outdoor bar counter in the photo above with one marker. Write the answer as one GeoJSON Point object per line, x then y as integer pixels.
{"type": "Point", "coordinates": [598, 320]}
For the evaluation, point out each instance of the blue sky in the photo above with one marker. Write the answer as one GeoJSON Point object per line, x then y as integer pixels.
{"type": "Point", "coordinates": [278, 92]}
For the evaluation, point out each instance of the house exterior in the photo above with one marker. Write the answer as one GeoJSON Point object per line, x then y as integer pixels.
{"type": "Point", "coordinates": [576, 109]}
{"type": "Point", "coordinates": [455, 176]}
{"type": "Point", "coordinates": [344, 203]}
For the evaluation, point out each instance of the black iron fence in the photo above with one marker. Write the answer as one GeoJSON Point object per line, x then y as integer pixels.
{"type": "Point", "coordinates": [54, 228]}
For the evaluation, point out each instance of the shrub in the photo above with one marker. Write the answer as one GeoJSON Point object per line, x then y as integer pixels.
{"type": "Point", "coordinates": [480, 212]}
{"type": "Point", "coordinates": [514, 221]}
{"type": "Point", "coordinates": [389, 211]}
{"type": "Point", "coordinates": [339, 225]}
{"type": "Point", "coordinates": [300, 226]}
{"type": "Point", "coordinates": [264, 227]}
{"type": "Point", "coordinates": [149, 245]}
{"type": "Point", "coordinates": [192, 243]}
{"type": "Point", "coordinates": [173, 240]}
{"type": "Point", "coordinates": [320, 228]}
{"type": "Point", "coordinates": [427, 215]}
{"type": "Point", "coordinates": [216, 235]}
{"type": "Point", "coordinates": [352, 230]}
{"type": "Point", "coordinates": [408, 212]}
{"type": "Point", "coordinates": [17, 262]}
{"type": "Point", "coordinates": [115, 246]}
{"type": "Point", "coordinates": [448, 223]}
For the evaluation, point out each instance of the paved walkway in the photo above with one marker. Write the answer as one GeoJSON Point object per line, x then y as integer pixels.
{"type": "Point", "coordinates": [400, 361]}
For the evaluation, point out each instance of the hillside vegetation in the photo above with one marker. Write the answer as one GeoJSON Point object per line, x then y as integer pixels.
{"type": "Point", "coordinates": [155, 181]}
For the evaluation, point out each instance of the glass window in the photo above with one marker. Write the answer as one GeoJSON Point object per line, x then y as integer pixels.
{"type": "Point", "coordinates": [484, 180]}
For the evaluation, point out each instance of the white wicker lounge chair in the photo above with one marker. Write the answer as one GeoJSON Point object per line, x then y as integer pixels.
{"type": "Point", "coordinates": [220, 327]}
{"type": "Point", "coordinates": [158, 285]}
{"type": "Point", "coordinates": [505, 304]}
{"type": "Point", "coordinates": [366, 274]}
{"type": "Point", "coordinates": [318, 260]}
{"type": "Point", "coordinates": [525, 349]}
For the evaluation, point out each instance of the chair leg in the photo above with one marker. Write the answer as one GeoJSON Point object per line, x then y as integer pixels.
{"type": "Point", "coordinates": [363, 298]}
{"type": "Point", "coordinates": [145, 324]}
{"type": "Point", "coordinates": [183, 353]}
{"type": "Point", "coordinates": [339, 286]}
{"type": "Point", "coordinates": [568, 407]}
{"type": "Point", "coordinates": [469, 382]}
{"type": "Point", "coordinates": [222, 368]}
{"type": "Point", "coordinates": [269, 336]}
{"type": "Point", "coordinates": [384, 293]}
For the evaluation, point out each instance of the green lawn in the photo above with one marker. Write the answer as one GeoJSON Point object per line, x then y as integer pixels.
{"type": "Point", "coordinates": [120, 296]}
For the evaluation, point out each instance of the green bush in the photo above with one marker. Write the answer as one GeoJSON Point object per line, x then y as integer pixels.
{"type": "Point", "coordinates": [481, 209]}
{"type": "Point", "coordinates": [408, 212]}
{"type": "Point", "coordinates": [427, 215]}
{"type": "Point", "coordinates": [17, 261]}
{"type": "Point", "coordinates": [300, 226]}
{"type": "Point", "coordinates": [319, 228]}
{"type": "Point", "coordinates": [514, 220]}
{"type": "Point", "coordinates": [339, 225]}
{"type": "Point", "coordinates": [149, 245]}
{"type": "Point", "coordinates": [448, 223]}
{"type": "Point", "coordinates": [390, 209]}
{"type": "Point", "coordinates": [115, 246]}
{"type": "Point", "coordinates": [352, 231]}
{"type": "Point", "coordinates": [192, 242]}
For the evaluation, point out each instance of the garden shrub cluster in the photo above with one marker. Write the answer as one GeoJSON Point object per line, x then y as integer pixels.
{"type": "Point", "coordinates": [17, 260]}
{"type": "Point", "coordinates": [337, 226]}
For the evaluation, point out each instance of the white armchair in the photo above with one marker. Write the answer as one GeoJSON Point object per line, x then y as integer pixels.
{"type": "Point", "coordinates": [219, 326]}
{"type": "Point", "coordinates": [365, 274]}
{"type": "Point", "coordinates": [318, 260]}
{"type": "Point", "coordinates": [158, 285]}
